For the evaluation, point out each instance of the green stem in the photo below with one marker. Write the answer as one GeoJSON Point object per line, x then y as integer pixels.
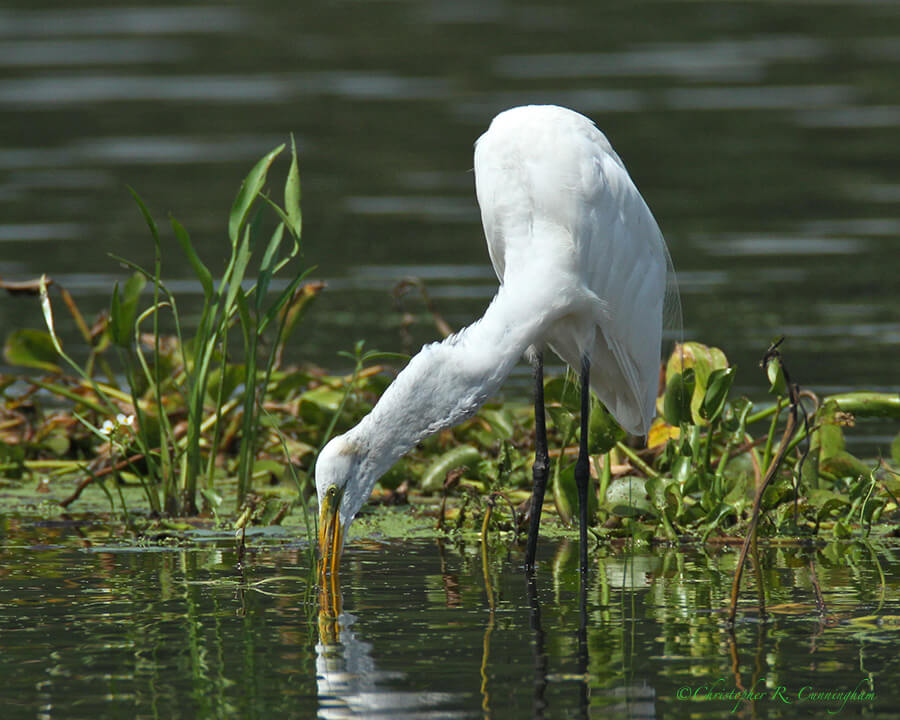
{"type": "Point", "coordinates": [636, 461]}
{"type": "Point", "coordinates": [770, 438]}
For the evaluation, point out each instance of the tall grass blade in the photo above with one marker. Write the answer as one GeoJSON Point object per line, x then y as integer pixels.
{"type": "Point", "coordinates": [292, 194]}
{"type": "Point", "coordinates": [250, 188]}
{"type": "Point", "coordinates": [200, 270]}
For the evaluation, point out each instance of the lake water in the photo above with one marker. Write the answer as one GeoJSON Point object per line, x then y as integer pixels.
{"type": "Point", "coordinates": [91, 627]}
{"type": "Point", "coordinates": [765, 137]}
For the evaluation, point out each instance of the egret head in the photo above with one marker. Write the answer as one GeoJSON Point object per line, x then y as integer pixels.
{"type": "Point", "coordinates": [338, 488]}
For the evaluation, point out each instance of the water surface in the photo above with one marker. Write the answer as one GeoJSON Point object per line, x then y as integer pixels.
{"type": "Point", "coordinates": [764, 136]}
{"type": "Point", "coordinates": [430, 629]}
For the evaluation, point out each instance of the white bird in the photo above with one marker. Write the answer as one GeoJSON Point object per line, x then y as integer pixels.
{"type": "Point", "coordinates": [582, 266]}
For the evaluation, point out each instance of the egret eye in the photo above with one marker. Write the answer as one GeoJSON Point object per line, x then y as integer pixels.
{"type": "Point", "coordinates": [332, 491]}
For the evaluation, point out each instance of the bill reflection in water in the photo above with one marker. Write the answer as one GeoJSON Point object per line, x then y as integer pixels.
{"type": "Point", "coordinates": [348, 682]}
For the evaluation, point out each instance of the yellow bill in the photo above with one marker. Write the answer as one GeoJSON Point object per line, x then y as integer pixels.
{"type": "Point", "coordinates": [331, 538]}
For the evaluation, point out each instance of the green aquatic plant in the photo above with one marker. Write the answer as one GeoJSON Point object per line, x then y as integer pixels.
{"type": "Point", "coordinates": [214, 407]}
{"type": "Point", "coordinates": [184, 391]}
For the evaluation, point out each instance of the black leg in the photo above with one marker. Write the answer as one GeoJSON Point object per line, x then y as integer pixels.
{"type": "Point", "coordinates": [582, 466]}
{"type": "Point", "coordinates": [541, 468]}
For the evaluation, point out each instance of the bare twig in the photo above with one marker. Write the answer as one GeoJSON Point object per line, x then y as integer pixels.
{"type": "Point", "coordinates": [790, 428]}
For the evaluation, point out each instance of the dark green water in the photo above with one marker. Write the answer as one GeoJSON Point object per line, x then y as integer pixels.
{"type": "Point", "coordinates": [431, 630]}
{"type": "Point", "coordinates": [764, 135]}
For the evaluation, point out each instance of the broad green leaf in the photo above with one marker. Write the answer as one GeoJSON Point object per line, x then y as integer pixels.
{"type": "Point", "coordinates": [501, 421]}
{"type": "Point", "coordinates": [562, 401]}
{"type": "Point", "coordinates": [603, 430]}
{"type": "Point", "coordinates": [777, 382]}
{"type": "Point", "coordinates": [828, 435]}
{"type": "Point", "coordinates": [628, 497]}
{"type": "Point", "coordinates": [826, 502]}
{"type": "Point", "coordinates": [31, 348]}
{"type": "Point", "coordinates": [869, 404]}
{"type": "Point", "coordinates": [718, 385]}
{"type": "Point", "coordinates": [677, 398]}
{"type": "Point", "coordinates": [250, 188]}
{"type": "Point", "coordinates": [843, 464]}
{"type": "Point", "coordinates": [702, 360]}
{"type": "Point", "coordinates": [318, 405]}
{"type": "Point", "coordinates": [565, 494]}
{"type": "Point", "coordinates": [462, 456]}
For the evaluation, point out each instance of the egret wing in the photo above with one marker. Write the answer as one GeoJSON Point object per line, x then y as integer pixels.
{"type": "Point", "coordinates": [624, 263]}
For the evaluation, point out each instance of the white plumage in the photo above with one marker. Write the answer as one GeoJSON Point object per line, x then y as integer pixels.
{"type": "Point", "coordinates": [553, 193]}
{"type": "Point", "coordinates": [582, 268]}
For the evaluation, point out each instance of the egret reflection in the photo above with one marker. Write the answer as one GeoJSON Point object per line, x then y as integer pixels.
{"type": "Point", "coordinates": [349, 683]}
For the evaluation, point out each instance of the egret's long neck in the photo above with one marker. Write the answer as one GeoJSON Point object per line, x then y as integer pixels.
{"type": "Point", "coordinates": [447, 382]}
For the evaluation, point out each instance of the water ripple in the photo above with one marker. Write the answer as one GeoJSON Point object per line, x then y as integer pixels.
{"type": "Point", "coordinates": [117, 21]}
{"type": "Point", "coordinates": [90, 52]}
{"type": "Point", "coordinates": [742, 60]}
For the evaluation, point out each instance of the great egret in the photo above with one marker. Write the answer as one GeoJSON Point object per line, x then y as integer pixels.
{"type": "Point", "coordinates": [582, 268]}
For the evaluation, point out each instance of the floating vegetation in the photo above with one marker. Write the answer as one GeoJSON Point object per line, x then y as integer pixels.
{"type": "Point", "coordinates": [213, 422]}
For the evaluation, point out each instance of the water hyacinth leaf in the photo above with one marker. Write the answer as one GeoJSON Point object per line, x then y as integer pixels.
{"type": "Point", "coordinates": [868, 404]}
{"type": "Point", "coordinates": [702, 360]}
{"type": "Point", "coordinates": [320, 404]}
{"type": "Point", "coordinates": [603, 431]}
{"type": "Point", "coordinates": [661, 432]}
{"type": "Point", "coordinates": [250, 188]}
{"type": "Point", "coordinates": [775, 373]}
{"type": "Point", "coordinates": [826, 502]}
{"type": "Point", "coordinates": [563, 393]}
{"type": "Point", "coordinates": [200, 270]}
{"type": "Point", "coordinates": [31, 348]}
{"type": "Point", "coordinates": [682, 474]}
{"type": "Point", "coordinates": [565, 494]}
{"type": "Point", "coordinates": [843, 464]}
{"type": "Point", "coordinates": [677, 398]}
{"type": "Point", "coordinates": [628, 497]}
{"type": "Point", "coordinates": [717, 387]}
{"type": "Point", "coordinates": [829, 435]}
{"type": "Point", "coordinates": [656, 493]}
{"type": "Point", "coordinates": [435, 474]}
{"type": "Point", "coordinates": [501, 422]}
